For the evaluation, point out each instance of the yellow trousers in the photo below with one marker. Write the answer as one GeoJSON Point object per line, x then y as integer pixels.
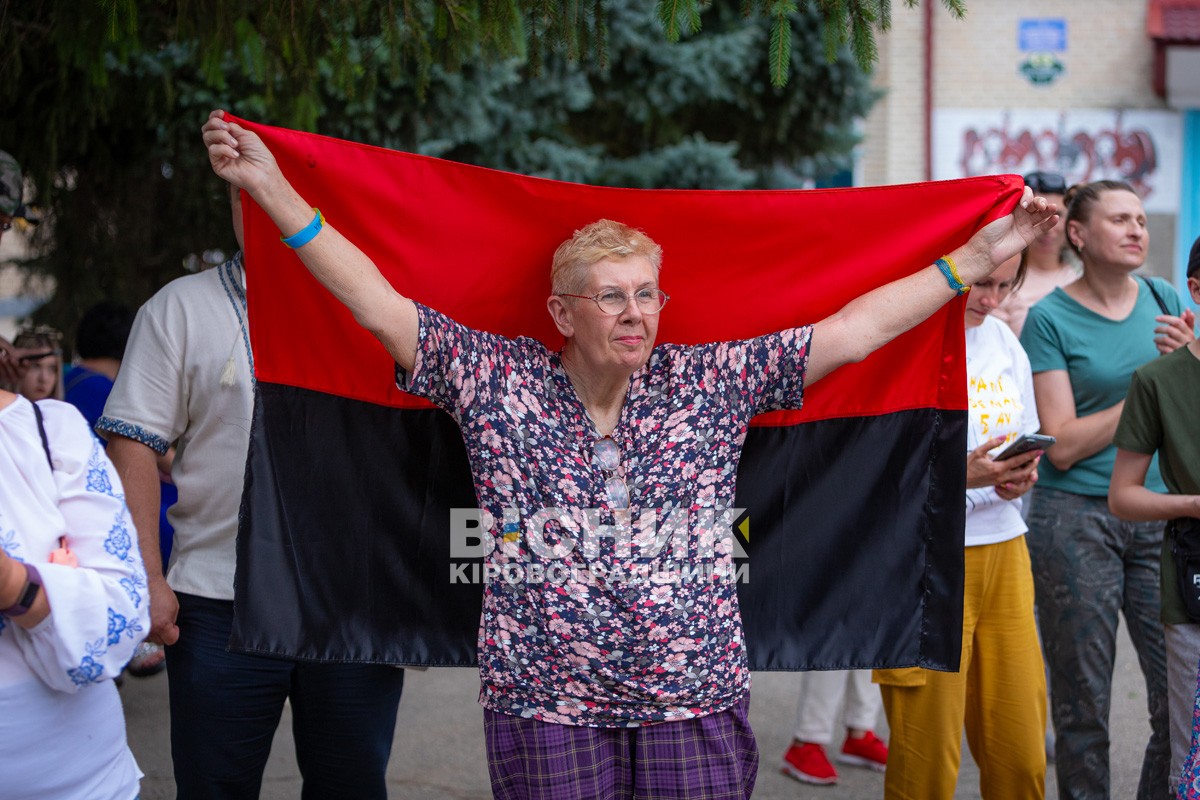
{"type": "Point", "coordinates": [998, 696]}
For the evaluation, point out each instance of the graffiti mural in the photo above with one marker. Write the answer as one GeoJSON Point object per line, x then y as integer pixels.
{"type": "Point", "coordinates": [1139, 147]}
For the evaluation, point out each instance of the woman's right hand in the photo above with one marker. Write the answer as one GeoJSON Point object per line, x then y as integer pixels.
{"type": "Point", "coordinates": [984, 471]}
{"type": "Point", "coordinates": [1174, 332]}
{"type": "Point", "coordinates": [12, 368]}
{"type": "Point", "coordinates": [238, 155]}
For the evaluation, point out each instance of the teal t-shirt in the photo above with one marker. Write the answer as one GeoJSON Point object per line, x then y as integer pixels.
{"type": "Point", "coordinates": [1099, 356]}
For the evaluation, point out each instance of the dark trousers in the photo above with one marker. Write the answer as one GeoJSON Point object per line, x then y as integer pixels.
{"type": "Point", "coordinates": [226, 706]}
{"type": "Point", "coordinates": [1090, 567]}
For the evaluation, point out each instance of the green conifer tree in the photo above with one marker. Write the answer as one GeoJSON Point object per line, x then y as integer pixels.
{"type": "Point", "coordinates": [109, 134]}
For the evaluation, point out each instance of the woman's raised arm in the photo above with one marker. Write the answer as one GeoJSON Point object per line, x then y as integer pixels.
{"type": "Point", "coordinates": [867, 323]}
{"type": "Point", "coordinates": [240, 157]}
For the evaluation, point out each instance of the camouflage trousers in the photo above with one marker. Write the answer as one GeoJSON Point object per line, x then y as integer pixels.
{"type": "Point", "coordinates": [1088, 568]}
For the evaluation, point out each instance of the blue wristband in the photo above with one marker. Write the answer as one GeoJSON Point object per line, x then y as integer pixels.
{"type": "Point", "coordinates": [946, 265]}
{"type": "Point", "coordinates": [305, 234]}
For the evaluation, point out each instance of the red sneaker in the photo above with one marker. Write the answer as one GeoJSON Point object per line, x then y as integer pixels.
{"type": "Point", "coordinates": [869, 752]}
{"type": "Point", "coordinates": [808, 763]}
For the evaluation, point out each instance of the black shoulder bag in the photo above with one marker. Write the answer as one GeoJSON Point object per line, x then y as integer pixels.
{"type": "Point", "coordinates": [1185, 551]}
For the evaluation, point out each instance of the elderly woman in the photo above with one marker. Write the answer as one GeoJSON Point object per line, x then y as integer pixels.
{"type": "Point", "coordinates": [73, 606]}
{"type": "Point", "coordinates": [594, 686]}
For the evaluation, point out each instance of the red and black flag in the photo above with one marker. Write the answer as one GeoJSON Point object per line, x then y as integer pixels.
{"type": "Point", "coordinates": [854, 505]}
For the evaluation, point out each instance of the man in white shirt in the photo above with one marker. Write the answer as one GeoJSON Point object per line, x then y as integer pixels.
{"type": "Point", "coordinates": [187, 379]}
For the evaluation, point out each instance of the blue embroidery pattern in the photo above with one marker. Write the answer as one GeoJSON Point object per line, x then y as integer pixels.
{"type": "Point", "coordinates": [136, 432]}
{"type": "Point", "coordinates": [132, 584]}
{"type": "Point", "coordinates": [119, 542]}
{"type": "Point", "coordinates": [97, 475]}
{"type": "Point", "coordinates": [118, 626]}
{"type": "Point", "coordinates": [88, 670]}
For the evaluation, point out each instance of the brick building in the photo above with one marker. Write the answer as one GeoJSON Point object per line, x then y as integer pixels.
{"type": "Point", "coordinates": [1097, 89]}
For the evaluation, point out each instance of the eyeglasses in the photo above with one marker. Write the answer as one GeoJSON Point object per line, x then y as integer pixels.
{"type": "Point", "coordinates": [614, 301]}
{"type": "Point", "coordinates": [607, 456]}
{"type": "Point", "coordinates": [1046, 183]}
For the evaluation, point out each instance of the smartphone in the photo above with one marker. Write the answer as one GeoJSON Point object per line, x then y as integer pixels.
{"type": "Point", "coordinates": [1025, 443]}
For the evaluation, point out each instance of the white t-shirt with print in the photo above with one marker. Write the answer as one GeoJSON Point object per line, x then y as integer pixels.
{"type": "Point", "coordinates": [1000, 397]}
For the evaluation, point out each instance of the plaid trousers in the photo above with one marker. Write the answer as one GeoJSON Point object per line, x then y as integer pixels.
{"type": "Point", "coordinates": [714, 757]}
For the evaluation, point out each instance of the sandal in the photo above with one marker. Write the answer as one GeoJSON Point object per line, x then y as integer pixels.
{"type": "Point", "coordinates": [148, 659]}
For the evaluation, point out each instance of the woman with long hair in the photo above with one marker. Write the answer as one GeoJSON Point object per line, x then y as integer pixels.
{"type": "Point", "coordinates": [43, 377]}
{"type": "Point", "coordinates": [1084, 342]}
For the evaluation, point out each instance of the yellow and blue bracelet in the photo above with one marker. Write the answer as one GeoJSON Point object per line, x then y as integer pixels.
{"type": "Point", "coordinates": [946, 265]}
{"type": "Point", "coordinates": [307, 233]}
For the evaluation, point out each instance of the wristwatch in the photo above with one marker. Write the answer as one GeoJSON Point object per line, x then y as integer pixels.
{"type": "Point", "coordinates": [33, 584]}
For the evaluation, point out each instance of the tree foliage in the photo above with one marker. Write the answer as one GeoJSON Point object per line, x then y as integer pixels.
{"type": "Point", "coordinates": [297, 40]}
{"type": "Point", "coordinates": [104, 102]}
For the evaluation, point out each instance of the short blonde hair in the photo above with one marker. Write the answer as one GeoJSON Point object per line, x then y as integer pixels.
{"type": "Point", "coordinates": [594, 243]}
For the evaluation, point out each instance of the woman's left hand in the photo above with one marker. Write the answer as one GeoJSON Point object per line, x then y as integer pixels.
{"type": "Point", "coordinates": [1014, 489]}
{"type": "Point", "coordinates": [1004, 238]}
{"type": "Point", "coordinates": [1174, 332]}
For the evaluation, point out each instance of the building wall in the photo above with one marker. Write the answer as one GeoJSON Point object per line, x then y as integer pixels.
{"type": "Point", "coordinates": [1109, 57]}
{"type": "Point", "coordinates": [893, 135]}
{"type": "Point", "coordinates": [1107, 66]}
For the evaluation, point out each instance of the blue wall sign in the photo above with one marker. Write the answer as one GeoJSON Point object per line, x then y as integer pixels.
{"type": "Point", "coordinates": [1047, 35]}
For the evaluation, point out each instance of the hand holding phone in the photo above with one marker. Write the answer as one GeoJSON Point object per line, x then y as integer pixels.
{"type": "Point", "coordinates": [1025, 443]}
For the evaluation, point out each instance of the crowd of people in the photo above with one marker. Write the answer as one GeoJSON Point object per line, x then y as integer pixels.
{"type": "Point", "coordinates": [1066, 542]}
{"type": "Point", "coordinates": [1062, 339]}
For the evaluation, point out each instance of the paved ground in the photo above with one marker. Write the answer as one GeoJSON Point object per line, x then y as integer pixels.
{"type": "Point", "coordinates": [438, 753]}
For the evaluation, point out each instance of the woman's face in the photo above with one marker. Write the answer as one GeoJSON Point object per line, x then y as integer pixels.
{"type": "Point", "coordinates": [990, 292]}
{"type": "Point", "coordinates": [623, 341]}
{"type": "Point", "coordinates": [41, 379]}
{"type": "Point", "coordinates": [1115, 234]}
{"type": "Point", "coordinates": [1047, 249]}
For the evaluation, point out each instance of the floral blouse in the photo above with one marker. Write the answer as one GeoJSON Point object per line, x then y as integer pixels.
{"type": "Point", "coordinates": [594, 615]}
